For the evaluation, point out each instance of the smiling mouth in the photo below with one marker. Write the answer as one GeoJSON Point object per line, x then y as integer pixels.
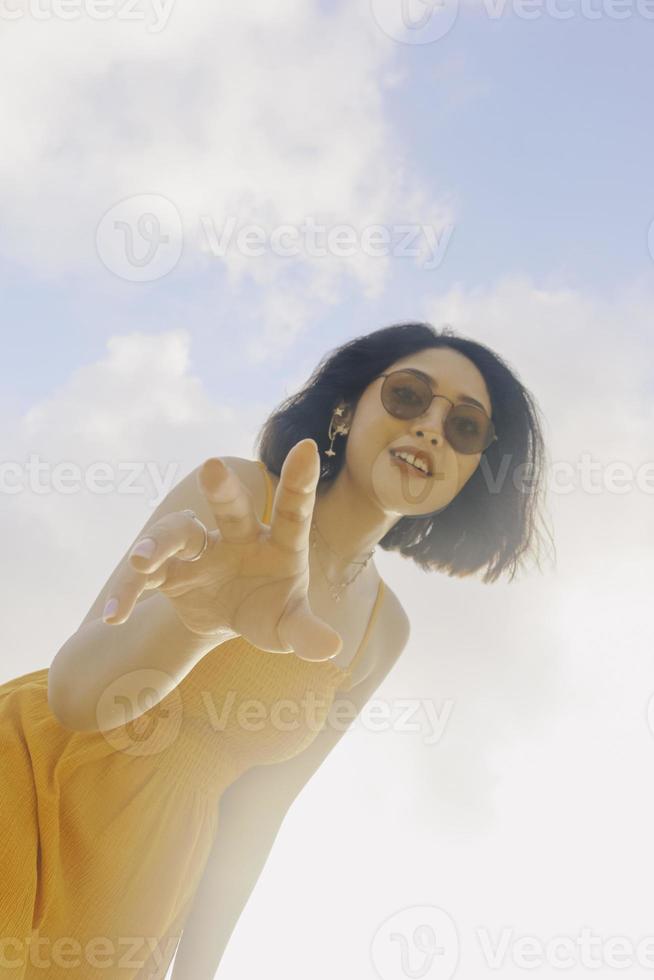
{"type": "Point", "coordinates": [409, 467]}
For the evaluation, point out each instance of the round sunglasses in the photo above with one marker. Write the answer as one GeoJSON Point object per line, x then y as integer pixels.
{"type": "Point", "coordinates": [406, 396]}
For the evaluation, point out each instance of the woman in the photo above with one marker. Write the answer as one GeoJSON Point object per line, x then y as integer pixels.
{"type": "Point", "coordinates": [253, 584]}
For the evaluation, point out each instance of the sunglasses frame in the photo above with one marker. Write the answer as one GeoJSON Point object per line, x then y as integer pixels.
{"type": "Point", "coordinates": [433, 394]}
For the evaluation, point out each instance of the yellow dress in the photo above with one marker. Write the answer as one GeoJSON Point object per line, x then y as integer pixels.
{"type": "Point", "coordinates": [104, 836]}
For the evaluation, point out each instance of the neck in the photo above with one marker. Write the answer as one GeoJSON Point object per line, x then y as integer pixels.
{"type": "Point", "coordinates": [350, 523]}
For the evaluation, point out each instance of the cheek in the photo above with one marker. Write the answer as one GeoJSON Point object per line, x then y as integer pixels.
{"type": "Point", "coordinates": [360, 450]}
{"type": "Point", "coordinates": [370, 435]}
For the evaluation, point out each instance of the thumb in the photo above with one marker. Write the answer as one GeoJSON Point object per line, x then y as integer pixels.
{"type": "Point", "coordinates": [310, 637]}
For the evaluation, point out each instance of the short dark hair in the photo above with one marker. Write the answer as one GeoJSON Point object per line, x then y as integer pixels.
{"type": "Point", "coordinates": [494, 522]}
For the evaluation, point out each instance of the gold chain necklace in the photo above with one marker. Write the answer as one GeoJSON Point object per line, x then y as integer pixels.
{"type": "Point", "coordinates": [335, 588]}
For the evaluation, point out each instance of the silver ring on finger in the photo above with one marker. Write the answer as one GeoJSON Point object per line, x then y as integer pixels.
{"type": "Point", "coordinates": [202, 550]}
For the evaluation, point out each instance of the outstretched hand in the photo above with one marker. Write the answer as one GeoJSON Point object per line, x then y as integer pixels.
{"type": "Point", "coordinates": [253, 578]}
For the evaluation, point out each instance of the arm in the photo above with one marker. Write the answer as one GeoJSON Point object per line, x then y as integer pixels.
{"type": "Point", "coordinates": [100, 658]}
{"type": "Point", "coordinates": [98, 655]}
{"type": "Point", "coordinates": [251, 812]}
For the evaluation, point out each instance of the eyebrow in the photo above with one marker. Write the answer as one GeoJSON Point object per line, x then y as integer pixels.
{"type": "Point", "coordinates": [461, 398]}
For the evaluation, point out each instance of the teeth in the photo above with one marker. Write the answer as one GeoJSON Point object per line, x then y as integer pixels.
{"type": "Point", "coordinates": [414, 460]}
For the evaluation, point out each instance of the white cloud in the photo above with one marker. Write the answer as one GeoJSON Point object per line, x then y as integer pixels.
{"type": "Point", "coordinates": [247, 113]}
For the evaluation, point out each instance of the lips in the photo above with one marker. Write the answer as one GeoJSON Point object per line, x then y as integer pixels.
{"type": "Point", "coordinates": [419, 454]}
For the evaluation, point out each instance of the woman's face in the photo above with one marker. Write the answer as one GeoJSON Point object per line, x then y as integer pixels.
{"type": "Point", "coordinates": [374, 432]}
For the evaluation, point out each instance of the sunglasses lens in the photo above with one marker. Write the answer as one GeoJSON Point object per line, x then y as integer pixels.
{"type": "Point", "coordinates": [467, 429]}
{"type": "Point", "coordinates": [406, 397]}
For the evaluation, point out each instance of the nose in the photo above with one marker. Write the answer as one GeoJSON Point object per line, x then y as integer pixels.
{"type": "Point", "coordinates": [430, 425]}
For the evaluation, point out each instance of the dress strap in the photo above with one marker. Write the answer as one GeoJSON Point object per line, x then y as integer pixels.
{"type": "Point", "coordinates": [346, 672]}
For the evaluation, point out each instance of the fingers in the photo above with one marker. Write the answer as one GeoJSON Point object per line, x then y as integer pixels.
{"type": "Point", "coordinates": [292, 510]}
{"type": "Point", "coordinates": [125, 593]}
{"type": "Point", "coordinates": [176, 534]}
{"type": "Point", "coordinates": [231, 503]}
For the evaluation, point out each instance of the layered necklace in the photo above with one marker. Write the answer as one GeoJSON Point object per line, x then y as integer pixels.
{"type": "Point", "coordinates": [336, 589]}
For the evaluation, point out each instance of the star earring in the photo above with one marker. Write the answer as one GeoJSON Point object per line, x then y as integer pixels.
{"type": "Point", "coordinates": [336, 429]}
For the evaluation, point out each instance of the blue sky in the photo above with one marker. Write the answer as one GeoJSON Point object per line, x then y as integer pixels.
{"type": "Point", "coordinates": [537, 130]}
